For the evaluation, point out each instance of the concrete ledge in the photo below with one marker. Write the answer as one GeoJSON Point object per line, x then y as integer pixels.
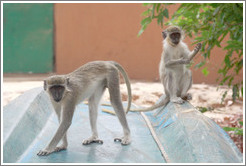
{"type": "Point", "coordinates": [30, 123]}
{"type": "Point", "coordinates": [186, 135]}
{"type": "Point", "coordinates": [23, 120]}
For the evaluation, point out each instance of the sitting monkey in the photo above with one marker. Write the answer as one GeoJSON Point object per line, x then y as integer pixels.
{"type": "Point", "coordinates": [174, 75]}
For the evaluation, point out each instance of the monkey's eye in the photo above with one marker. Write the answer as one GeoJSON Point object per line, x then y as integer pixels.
{"type": "Point", "coordinates": [57, 88]}
{"type": "Point", "coordinates": [175, 35]}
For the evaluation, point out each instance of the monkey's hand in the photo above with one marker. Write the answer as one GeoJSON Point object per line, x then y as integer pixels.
{"type": "Point", "coordinates": [185, 61]}
{"type": "Point", "coordinates": [198, 47]}
{"type": "Point", "coordinates": [194, 52]}
{"type": "Point", "coordinates": [44, 152]}
{"type": "Point", "coordinates": [60, 148]}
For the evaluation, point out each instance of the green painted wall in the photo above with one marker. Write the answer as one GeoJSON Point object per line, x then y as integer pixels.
{"type": "Point", "coordinates": [27, 38]}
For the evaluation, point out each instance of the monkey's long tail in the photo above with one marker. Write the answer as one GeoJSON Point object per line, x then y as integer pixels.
{"type": "Point", "coordinates": [128, 84]}
{"type": "Point", "coordinates": [162, 103]}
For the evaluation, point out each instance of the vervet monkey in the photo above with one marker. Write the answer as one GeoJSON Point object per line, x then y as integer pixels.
{"type": "Point", "coordinates": [88, 81]}
{"type": "Point", "coordinates": [174, 75]}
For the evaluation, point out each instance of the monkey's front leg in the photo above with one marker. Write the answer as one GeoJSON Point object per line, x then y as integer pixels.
{"type": "Point", "coordinates": [63, 146]}
{"type": "Point", "coordinates": [67, 115]}
{"type": "Point", "coordinates": [55, 140]}
{"type": "Point", "coordinates": [187, 60]}
{"type": "Point", "coordinates": [174, 62]}
{"type": "Point", "coordinates": [194, 52]}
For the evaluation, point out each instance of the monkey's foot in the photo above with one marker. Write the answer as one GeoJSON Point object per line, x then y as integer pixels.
{"type": "Point", "coordinates": [188, 96]}
{"type": "Point", "coordinates": [60, 148]}
{"type": "Point", "coordinates": [44, 153]}
{"type": "Point", "coordinates": [177, 100]}
{"type": "Point", "coordinates": [123, 140]}
{"type": "Point", "coordinates": [90, 141]}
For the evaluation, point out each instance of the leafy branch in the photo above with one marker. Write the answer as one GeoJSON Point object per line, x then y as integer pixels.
{"type": "Point", "coordinates": [211, 24]}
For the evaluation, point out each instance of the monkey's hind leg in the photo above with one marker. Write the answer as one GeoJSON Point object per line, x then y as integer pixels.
{"type": "Point", "coordinates": [93, 111]}
{"type": "Point", "coordinates": [186, 83]}
{"type": "Point", "coordinates": [115, 98]}
{"type": "Point", "coordinates": [171, 87]}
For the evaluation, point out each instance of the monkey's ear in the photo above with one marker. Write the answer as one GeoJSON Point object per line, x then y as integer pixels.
{"type": "Point", "coordinates": [164, 34]}
{"type": "Point", "coordinates": [45, 85]}
{"type": "Point", "coordinates": [67, 80]}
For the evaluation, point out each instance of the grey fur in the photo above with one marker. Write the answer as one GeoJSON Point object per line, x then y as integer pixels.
{"type": "Point", "coordinates": [174, 75]}
{"type": "Point", "coordinates": [88, 81]}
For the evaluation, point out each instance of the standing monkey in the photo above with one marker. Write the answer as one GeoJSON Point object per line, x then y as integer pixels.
{"type": "Point", "coordinates": [174, 75]}
{"type": "Point", "coordinates": [88, 81]}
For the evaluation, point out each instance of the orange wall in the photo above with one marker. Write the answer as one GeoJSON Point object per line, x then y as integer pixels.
{"type": "Point", "coordinates": [88, 32]}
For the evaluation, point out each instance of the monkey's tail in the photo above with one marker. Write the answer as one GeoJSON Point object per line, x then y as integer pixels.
{"type": "Point", "coordinates": [162, 103]}
{"type": "Point", "coordinates": [128, 84]}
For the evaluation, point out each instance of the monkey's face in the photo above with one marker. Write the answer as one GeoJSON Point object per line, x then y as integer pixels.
{"type": "Point", "coordinates": [56, 86]}
{"type": "Point", "coordinates": [57, 92]}
{"type": "Point", "coordinates": [175, 37]}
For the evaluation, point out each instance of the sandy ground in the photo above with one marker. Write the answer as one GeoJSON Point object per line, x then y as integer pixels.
{"type": "Point", "coordinates": [145, 94]}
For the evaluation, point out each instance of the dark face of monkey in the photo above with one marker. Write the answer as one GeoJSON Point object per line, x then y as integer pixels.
{"type": "Point", "coordinates": [57, 92]}
{"type": "Point", "coordinates": [175, 37]}
{"type": "Point", "coordinates": [56, 86]}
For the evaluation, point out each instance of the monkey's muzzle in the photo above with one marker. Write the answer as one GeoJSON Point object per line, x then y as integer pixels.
{"type": "Point", "coordinates": [57, 100]}
{"type": "Point", "coordinates": [176, 42]}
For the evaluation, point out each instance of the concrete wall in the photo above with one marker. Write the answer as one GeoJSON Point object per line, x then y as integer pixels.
{"type": "Point", "coordinates": [87, 32]}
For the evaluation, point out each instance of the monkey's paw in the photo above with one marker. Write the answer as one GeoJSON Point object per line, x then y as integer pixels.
{"type": "Point", "coordinates": [60, 148]}
{"type": "Point", "coordinates": [177, 100]}
{"type": "Point", "coordinates": [90, 141]}
{"type": "Point", "coordinates": [44, 153]}
{"type": "Point", "coordinates": [198, 46]}
{"type": "Point", "coordinates": [188, 96]}
{"type": "Point", "coordinates": [123, 140]}
{"type": "Point", "coordinates": [185, 61]}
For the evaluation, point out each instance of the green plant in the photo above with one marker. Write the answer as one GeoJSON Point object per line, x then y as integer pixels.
{"type": "Point", "coordinates": [237, 130]}
{"type": "Point", "coordinates": [204, 109]}
{"type": "Point", "coordinates": [210, 23]}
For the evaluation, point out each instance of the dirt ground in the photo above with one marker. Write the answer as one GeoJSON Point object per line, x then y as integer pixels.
{"type": "Point", "coordinates": [226, 114]}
